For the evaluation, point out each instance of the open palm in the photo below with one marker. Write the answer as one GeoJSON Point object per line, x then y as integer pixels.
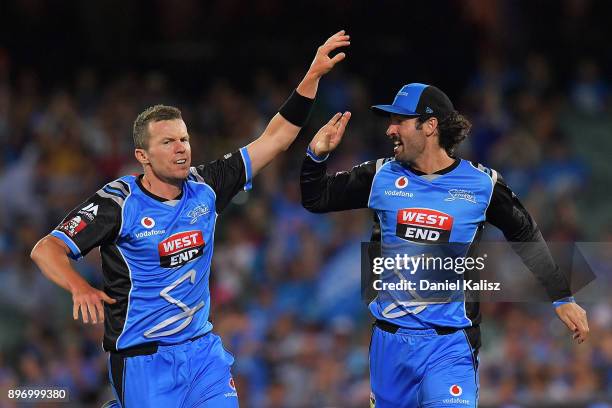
{"type": "Point", "coordinates": [330, 135]}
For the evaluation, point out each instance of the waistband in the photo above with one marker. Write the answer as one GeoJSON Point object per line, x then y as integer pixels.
{"type": "Point", "coordinates": [146, 349]}
{"type": "Point", "coordinates": [393, 328]}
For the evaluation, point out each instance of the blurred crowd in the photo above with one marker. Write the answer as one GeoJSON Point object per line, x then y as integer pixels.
{"type": "Point", "coordinates": [285, 284]}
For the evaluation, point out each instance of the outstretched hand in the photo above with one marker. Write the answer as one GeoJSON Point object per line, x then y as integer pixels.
{"type": "Point", "coordinates": [330, 135]}
{"type": "Point", "coordinates": [575, 318]}
{"type": "Point", "coordinates": [90, 301]}
{"type": "Point", "coordinates": [322, 62]}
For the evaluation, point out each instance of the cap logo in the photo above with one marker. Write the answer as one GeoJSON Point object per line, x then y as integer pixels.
{"type": "Point", "coordinates": [402, 93]}
{"type": "Point", "coordinates": [428, 110]}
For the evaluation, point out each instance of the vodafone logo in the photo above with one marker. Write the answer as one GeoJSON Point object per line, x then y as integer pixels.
{"type": "Point", "coordinates": [455, 390]}
{"type": "Point", "coordinates": [401, 182]}
{"type": "Point", "coordinates": [147, 222]}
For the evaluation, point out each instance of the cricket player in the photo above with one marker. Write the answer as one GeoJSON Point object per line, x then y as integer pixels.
{"type": "Point", "coordinates": [425, 354]}
{"type": "Point", "coordinates": [155, 232]}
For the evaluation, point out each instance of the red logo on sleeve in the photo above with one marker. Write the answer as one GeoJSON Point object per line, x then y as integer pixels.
{"type": "Point", "coordinates": [73, 226]}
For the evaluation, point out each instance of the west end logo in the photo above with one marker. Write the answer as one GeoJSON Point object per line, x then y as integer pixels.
{"type": "Point", "coordinates": [401, 182]}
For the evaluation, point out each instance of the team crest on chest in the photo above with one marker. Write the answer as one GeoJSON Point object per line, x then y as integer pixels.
{"type": "Point", "coordinates": [197, 212]}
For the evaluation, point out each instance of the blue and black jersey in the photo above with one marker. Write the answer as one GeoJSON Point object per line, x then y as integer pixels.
{"type": "Point", "coordinates": [420, 212]}
{"type": "Point", "coordinates": [156, 253]}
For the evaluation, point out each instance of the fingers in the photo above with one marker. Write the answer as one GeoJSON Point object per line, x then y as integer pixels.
{"type": "Point", "coordinates": [341, 124]}
{"type": "Point", "coordinates": [575, 318]}
{"type": "Point", "coordinates": [91, 306]}
{"type": "Point", "coordinates": [334, 119]}
{"type": "Point", "coordinates": [568, 322]}
{"type": "Point", "coordinates": [75, 310]}
{"type": "Point", "coordinates": [100, 311]}
{"type": "Point", "coordinates": [338, 57]}
{"type": "Point", "coordinates": [107, 299]}
{"type": "Point", "coordinates": [339, 36]}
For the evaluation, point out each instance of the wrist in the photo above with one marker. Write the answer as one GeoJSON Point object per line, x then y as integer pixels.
{"type": "Point", "coordinates": [564, 301]}
{"type": "Point", "coordinates": [296, 108]}
{"type": "Point", "coordinates": [309, 85]}
{"type": "Point", "coordinates": [317, 157]}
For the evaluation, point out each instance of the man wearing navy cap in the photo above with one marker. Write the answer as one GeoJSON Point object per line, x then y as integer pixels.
{"type": "Point", "coordinates": [424, 351]}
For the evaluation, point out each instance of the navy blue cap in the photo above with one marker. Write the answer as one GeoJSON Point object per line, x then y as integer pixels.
{"type": "Point", "coordinates": [415, 100]}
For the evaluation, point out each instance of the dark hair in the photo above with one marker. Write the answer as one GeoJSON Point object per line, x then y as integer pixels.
{"type": "Point", "coordinates": [155, 113]}
{"type": "Point", "coordinates": [452, 130]}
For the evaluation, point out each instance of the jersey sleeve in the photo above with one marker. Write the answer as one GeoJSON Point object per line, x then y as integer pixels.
{"type": "Point", "coordinates": [227, 176]}
{"type": "Point", "coordinates": [345, 190]}
{"type": "Point", "coordinates": [507, 213]}
{"type": "Point", "coordinates": [94, 222]}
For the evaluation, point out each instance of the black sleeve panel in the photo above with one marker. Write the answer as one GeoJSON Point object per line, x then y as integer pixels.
{"type": "Point", "coordinates": [344, 190]}
{"type": "Point", "coordinates": [226, 176]}
{"type": "Point", "coordinates": [508, 214]}
{"type": "Point", "coordinates": [94, 222]}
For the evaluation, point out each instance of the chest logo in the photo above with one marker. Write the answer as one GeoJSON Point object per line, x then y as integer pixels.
{"type": "Point", "coordinates": [401, 182]}
{"type": "Point", "coordinates": [423, 225]}
{"type": "Point", "coordinates": [180, 248]}
{"type": "Point", "coordinates": [197, 212]}
{"type": "Point", "coordinates": [458, 194]}
{"type": "Point", "coordinates": [147, 222]}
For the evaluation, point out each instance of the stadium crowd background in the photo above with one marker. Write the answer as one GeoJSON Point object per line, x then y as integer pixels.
{"type": "Point", "coordinates": [533, 78]}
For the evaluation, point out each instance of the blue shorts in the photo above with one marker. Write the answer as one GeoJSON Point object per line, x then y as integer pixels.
{"type": "Point", "coordinates": [421, 368]}
{"type": "Point", "coordinates": [191, 374]}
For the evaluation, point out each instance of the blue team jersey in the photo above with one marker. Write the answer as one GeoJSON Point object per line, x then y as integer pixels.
{"type": "Point", "coordinates": [156, 254]}
{"type": "Point", "coordinates": [439, 216]}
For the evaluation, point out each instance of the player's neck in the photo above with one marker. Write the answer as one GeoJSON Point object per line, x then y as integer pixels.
{"type": "Point", "coordinates": [161, 188]}
{"type": "Point", "coordinates": [432, 162]}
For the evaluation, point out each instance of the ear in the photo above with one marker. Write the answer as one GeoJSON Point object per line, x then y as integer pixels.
{"type": "Point", "coordinates": [142, 156]}
{"type": "Point", "coordinates": [430, 125]}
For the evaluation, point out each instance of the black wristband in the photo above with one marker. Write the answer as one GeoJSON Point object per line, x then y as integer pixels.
{"type": "Point", "coordinates": [296, 109]}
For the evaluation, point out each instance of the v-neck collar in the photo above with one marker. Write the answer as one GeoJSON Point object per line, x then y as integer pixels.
{"type": "Point", "coordinates": [153, 196]}
{"type": "Point", "coordinates": [440, 172]}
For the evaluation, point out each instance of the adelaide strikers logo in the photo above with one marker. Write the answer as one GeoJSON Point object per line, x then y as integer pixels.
{"type": "Point", "coordinates": [147, 222]}
{"type": "Point", "coordinates": [455, 390]}
{"type": "Point", "coordinates": [401, 182]}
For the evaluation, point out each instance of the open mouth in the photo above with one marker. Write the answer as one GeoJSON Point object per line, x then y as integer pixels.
{"type": "Point", "coordinates": [397, 145]}
{"type": "Point", "coordinates": [181, 161]}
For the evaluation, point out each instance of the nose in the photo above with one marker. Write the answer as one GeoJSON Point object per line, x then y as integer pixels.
{"type": "Point", "coordinates": [391, 131]}
{"type": "Point", "coordinates": [179, 147]}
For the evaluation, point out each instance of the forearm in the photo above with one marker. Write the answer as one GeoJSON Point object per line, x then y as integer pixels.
{"type": "Point", "coordinates": [345, 190]}
{"type": "Point", "coordinates": [314, 187]}
{"type": "Point", "coordinates": [536, 256]}
{"type": "Point", "coordinates": [280, 132]}
{"type": "Point", "coordinates": [309, 85]}
{"type": "Point", "coordinates": [52, 259]}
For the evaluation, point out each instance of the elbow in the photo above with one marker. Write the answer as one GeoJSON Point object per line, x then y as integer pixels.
{"type": "Point", "coordinates": [37, 253]}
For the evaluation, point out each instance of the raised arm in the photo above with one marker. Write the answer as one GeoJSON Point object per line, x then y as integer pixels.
{"type": "Point", "coordinates": [508, 214]}
{"type": "Point", "coordinates": [285, 126]}
{"type": "Point", "coordinates": [345, 190]}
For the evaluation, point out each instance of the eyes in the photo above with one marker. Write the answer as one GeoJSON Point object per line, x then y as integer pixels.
{"type": "Point", "coordinates": [168, 141]}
